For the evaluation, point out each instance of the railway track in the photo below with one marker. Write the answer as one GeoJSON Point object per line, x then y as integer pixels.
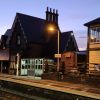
{"type": "Point", "coordinates": [80, 89]}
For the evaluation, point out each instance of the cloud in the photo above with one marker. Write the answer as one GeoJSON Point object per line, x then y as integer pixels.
{"type": "Point", "coordinates": [81, 37]}
{"type": "Point", "coordinates": [76, 17]}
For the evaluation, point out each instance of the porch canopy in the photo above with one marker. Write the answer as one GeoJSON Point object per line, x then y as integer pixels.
{"type": "Point", "coordinates": [4, 55]}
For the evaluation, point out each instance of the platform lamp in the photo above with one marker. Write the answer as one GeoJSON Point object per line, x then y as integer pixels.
{"type": "Point", "coordinates": [58, 55]}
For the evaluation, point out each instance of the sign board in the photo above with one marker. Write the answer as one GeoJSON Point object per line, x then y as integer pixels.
{"type": "Point", "coordinates": [57, 55]}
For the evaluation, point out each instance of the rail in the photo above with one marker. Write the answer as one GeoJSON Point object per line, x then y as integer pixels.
{"type": "Point", "coordinates": [46, 88]}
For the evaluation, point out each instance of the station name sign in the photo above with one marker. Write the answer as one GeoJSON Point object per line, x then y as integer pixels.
{"type": "Point", "coordinates": [57, 55]}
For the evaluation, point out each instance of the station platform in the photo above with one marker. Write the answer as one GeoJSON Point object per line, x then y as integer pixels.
{"type": "Point", "coordinates": [80, 89]}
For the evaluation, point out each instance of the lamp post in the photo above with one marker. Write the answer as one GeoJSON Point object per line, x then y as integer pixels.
{"type": "Point", "coordinates": [53, 29]}
{"type": "Point", "coordinates": [58, 50]}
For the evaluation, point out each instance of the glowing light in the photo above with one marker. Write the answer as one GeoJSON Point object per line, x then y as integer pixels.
{"type": "Point", "coordinates": [92, 37]}
{"type": "Point", "coordinates": [51, 29]}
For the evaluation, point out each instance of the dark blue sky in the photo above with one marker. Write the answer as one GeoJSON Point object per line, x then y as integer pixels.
{"type": "Point", "coordinates": [72, 14]}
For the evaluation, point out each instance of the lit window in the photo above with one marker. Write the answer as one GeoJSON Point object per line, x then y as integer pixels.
{"type": "Point", "coordinates": [95, 35]}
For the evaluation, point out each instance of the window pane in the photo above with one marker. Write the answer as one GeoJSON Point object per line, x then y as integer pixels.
{"type": "Point", "coordinates": [95, 35]}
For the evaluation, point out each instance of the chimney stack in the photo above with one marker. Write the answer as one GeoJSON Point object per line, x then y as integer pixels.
{"type": "Point", "coordinates": [52, 15]}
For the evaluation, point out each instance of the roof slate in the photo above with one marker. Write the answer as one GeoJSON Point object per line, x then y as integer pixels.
{"type": "Point", "coordinates": [8, 33]}
{"type": "Point", "coordinates": [65, 38]}
{"type": "Point", "coordinates": [32, 27]}
{"type": "Point", "coordinates": [95, 21]}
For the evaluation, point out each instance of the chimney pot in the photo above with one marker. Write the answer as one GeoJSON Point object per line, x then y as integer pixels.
{"type": "Point", "coordinates": [56, 11]}
{"type": "Point", "coordinates": [50, 10]}
{"type": "Point", "coordinates": [53, 10]}
{"type": "Point", "coordinates": [47, 8]}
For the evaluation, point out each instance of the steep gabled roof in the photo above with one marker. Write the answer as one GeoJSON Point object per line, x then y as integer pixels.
{"type": "Point", "coordinates": [33, 30]}
{"type": "Point", "coordinates": [66, 39]}
{"type": "Point", "coordinates": [95, 21]}
{"type": "Point", "coordinates": [32, 27]}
